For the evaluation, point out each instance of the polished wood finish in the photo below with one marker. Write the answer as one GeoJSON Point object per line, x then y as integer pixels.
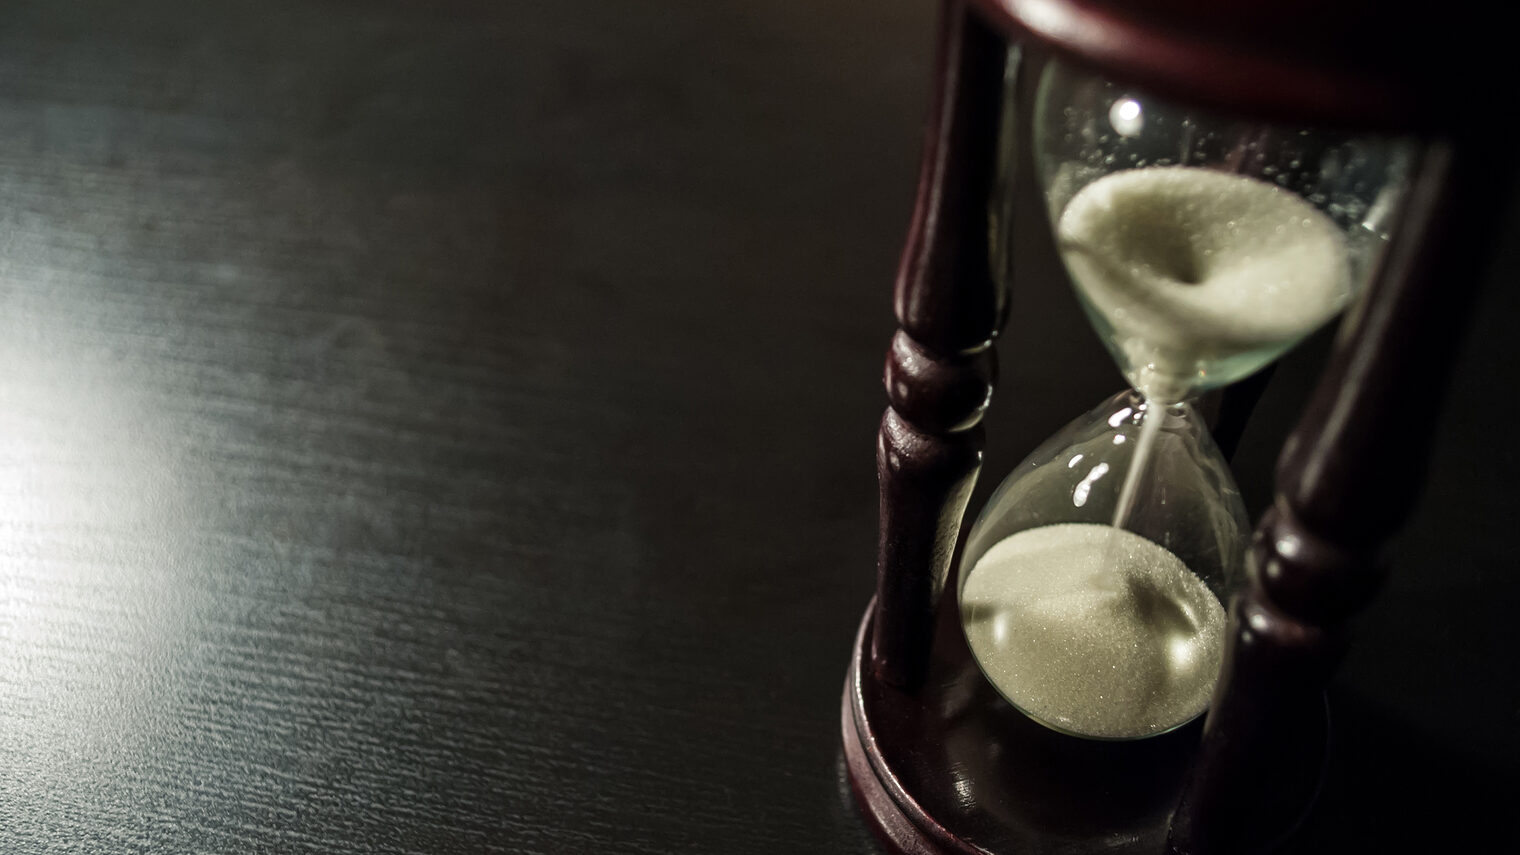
{"type": "Point", "coordinates": [940, 370]}
{"type": "Point", "coordinates": [1352, 63]}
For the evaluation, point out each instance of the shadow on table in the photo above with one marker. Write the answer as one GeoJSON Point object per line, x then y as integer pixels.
{"type": "Point", "coordinates": [1391, 789]}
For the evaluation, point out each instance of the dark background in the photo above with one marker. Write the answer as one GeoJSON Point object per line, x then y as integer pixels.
{"type": "Point", "coordinates": [448, 427]}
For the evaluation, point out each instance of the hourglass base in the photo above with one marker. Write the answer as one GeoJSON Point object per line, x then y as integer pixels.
{"type": "Point", "coordinates": [956, 770]}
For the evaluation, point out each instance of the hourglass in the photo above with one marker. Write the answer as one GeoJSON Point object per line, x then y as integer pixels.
{"type": "Point", "coordinates": [1093, 586]}
{"type": "Point", "coordinates": [1122, 665]}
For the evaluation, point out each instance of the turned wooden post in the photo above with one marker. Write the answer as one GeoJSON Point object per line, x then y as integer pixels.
{"type": "Point", "coordinates": [939, 370]}
{"type": "Point", "coordinates": [1347, 478]}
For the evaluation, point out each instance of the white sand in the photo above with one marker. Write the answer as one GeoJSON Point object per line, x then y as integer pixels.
{"type": "Point", "coordinates": [1114, 653]}
{"type": "Point", "coordinates": [1190, 264]}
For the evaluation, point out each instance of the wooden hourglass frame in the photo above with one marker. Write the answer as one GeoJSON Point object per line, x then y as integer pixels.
{"type": "Point", "coordinates": [937, 762]}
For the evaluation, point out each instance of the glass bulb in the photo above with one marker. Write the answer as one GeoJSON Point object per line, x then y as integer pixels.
{"type": "Point", "coordinates": [1203, 247]}
{"type": "Point", "coordinates": [1097, 631]}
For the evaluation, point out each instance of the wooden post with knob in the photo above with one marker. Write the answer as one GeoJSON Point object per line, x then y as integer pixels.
{"type": "Point", "coordinates": [940, 369]}
{"type": "Point", "coordinates": [1347, 478]}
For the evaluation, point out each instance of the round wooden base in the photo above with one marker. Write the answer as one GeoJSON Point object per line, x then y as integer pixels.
{"type": "Point", "coordinates": [955, 769]}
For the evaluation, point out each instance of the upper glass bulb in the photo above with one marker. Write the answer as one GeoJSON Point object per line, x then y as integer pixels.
{"type": "Point", "coordinates": [1203, 247]}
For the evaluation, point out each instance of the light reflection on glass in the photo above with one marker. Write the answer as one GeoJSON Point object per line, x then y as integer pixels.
{"type": "Point", "coordinates": [1126, 118]}
{"type": "Point", "coordinates": [1083, 489]}
{"type": "Point", "coordinates": [1288, 546]}
{"type": "Point", "coordinates": [1000, 627]}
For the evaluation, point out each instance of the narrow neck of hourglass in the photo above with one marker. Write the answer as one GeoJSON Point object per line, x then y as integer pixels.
{"type": "Point", "coordinates": [1160, 389]}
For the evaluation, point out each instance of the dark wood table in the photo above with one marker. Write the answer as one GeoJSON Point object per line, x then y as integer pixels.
{"type": "Point", "coordinates": [447, 428]}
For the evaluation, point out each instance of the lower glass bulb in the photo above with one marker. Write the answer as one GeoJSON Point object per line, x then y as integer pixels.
{"type": "Point", "coordinates": [1095, 630]}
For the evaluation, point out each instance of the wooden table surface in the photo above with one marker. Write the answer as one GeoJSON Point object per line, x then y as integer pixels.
{"type": "Point", "coordinates": [447, 427]}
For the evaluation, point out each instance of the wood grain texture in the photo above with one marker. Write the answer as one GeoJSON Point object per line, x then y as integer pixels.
{"type": "Point", "coordinates": [413, 433]}
{"type": "Point", "coordinates": [445, 428]}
